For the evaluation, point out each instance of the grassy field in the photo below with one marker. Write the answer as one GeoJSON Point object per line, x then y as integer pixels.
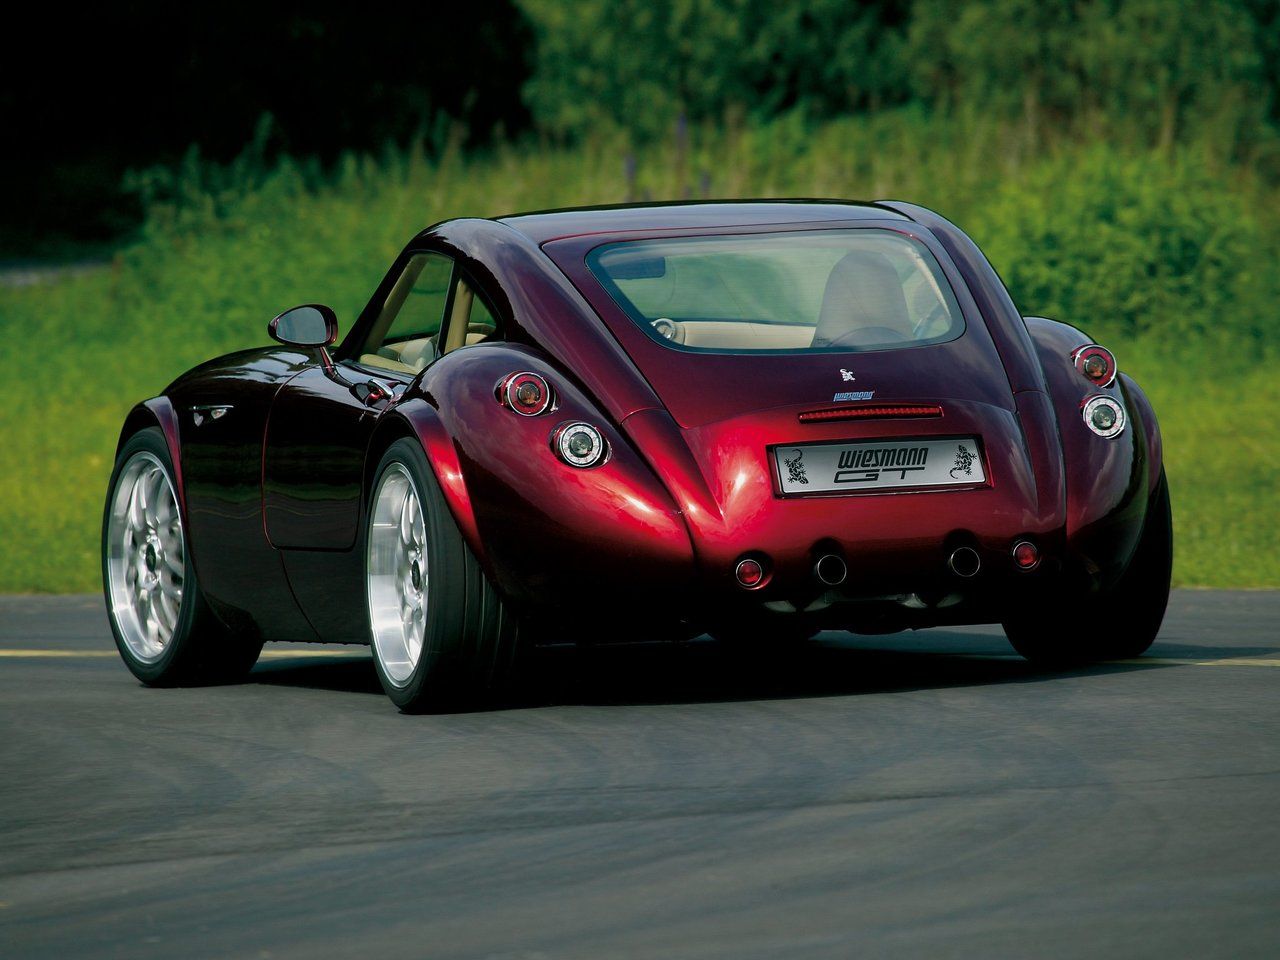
{"type": "Point", "coordinates": [1169, 259]}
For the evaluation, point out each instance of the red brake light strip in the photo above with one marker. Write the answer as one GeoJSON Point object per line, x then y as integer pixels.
{"type": "Point", "coordinates": [896, 411]}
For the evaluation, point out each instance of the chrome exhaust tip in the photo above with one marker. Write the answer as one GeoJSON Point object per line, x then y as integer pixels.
{"type": "Point", "coordinates": [964, 562]}
{"type": "Point", "coordinates": [831, 570]}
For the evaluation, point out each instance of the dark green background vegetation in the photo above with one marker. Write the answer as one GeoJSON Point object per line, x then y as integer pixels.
{"type": "Point", "coordinates": [1119, 162]}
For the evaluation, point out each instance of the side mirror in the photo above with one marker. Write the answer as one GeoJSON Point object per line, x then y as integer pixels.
{"type": "Point", "coordinates": [310, 325]}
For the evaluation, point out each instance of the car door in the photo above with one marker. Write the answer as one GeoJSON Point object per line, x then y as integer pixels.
{"type": "Point", "coordinates": [321, 420]}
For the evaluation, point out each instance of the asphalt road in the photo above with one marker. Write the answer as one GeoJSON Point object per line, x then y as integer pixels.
{"type": "Point", "coordinates": [920, 795]}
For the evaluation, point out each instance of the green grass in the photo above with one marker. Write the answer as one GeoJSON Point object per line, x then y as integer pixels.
{"type": "Point", "coordinates": [227, 249]}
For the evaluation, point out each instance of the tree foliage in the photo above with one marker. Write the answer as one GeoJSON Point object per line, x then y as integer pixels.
{"type": "Point", "coordinates": [1153, 70]}
{"type": "Point", "coordinates": [638, 65]}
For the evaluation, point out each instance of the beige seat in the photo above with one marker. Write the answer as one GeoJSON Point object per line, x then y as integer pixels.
{"type": "Point", "coordinates": [386, 363]}
{"type": "Point", "coordinates": [863, 304]}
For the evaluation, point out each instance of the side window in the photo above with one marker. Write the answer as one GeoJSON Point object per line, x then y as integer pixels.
{"type": "Point", "coordinates": [482, 324]}
{"type": "Point", "coordinates": [405, 336]}
{"type": "Point", "coordinates": [470, 319]}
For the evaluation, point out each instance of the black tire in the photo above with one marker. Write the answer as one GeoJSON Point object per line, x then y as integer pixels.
{"type": "Point", "coordinates": [470, 635]}
{"type": "Point", "coordinates": [200, 649]}
{"type": "Point", "coordinates": [1130, 614]}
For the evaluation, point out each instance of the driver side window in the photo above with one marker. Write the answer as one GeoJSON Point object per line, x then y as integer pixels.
{"type": "Point", "coordinates": [406, 335]}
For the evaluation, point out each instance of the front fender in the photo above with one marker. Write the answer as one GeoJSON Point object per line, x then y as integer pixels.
{"type": "Point", "coordinates": [1109, 480]}
{"type": "Point", "coordinates": [158, 412]}
{"type": "Point", "coordinates": [547, 533]}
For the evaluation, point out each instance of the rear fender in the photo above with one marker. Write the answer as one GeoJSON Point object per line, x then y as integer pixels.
{"type": "Point", "coordinates": [545, 532]}
{"type": "Point", "coordinates": [417, 417]}
{"type": "Point", "coordinates": [1109, 481]}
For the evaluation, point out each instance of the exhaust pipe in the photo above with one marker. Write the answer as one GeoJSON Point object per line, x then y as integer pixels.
{"type": "Point", "coordinates": [964, 562]}
{"type": "Point", "coordinates": [831, 570]}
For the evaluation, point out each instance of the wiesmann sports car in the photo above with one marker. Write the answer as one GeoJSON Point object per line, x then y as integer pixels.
{"type": "Point", "coordinates": [757, 420]}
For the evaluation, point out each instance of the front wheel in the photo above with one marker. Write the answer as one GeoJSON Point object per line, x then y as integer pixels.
{"type": "Point", "coordinates": [164, 630]}
{"type": "Point", "coordinates": [441, 635]}
{"type": "Point", "coordinates": [1120, 625]}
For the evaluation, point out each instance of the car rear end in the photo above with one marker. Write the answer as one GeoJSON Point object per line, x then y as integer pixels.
{"type": "Point", "coordinates": [837, 425]}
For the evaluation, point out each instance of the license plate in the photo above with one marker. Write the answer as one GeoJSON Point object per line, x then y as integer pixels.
{"type": "Point", "coordinates": [878, 465]}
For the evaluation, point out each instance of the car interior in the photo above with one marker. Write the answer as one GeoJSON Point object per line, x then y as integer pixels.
{"type": "Point", "coordinates": [431, 310]}
{"type": "Point", "coordinates": [869, 291]}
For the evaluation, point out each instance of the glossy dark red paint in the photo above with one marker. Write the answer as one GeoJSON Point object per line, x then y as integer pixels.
{"type": "Point", "coordinates": [274, 493]}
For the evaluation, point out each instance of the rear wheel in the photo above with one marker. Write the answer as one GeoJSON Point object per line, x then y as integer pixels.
{"type": "Point", "coordinates": [441, 636]}
{"type": "Point", "coordinates": [1120, 625]}
{"type": "Point", "coordinates": [163, 628]}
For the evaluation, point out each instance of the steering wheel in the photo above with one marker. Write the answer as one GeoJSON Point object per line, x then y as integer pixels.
{"type": "Point", "coordinates": [868, 335]}
{"type": "Point", "coordinates": [921, 328]}
{"type": "Point", "coordinates": [669, 329]}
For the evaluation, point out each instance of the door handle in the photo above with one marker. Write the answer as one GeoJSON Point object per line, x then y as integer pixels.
{"type": "Point", "coordinates": [371, 392]}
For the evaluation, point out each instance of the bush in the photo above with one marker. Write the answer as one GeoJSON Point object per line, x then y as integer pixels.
{"type": "Point", "coordinates": [1126, 246]}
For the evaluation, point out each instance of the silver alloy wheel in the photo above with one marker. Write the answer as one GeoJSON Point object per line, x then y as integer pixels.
{"type": "Point", "coordinates": [396, 573]}
{"type": "Point", "coordinates": [146, 557]}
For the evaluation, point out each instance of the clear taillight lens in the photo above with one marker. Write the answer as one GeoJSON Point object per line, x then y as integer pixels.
{"type": "Point", "coordinates": [580, 445]}
{"type": "Point", "coordinates": [1103, 416]}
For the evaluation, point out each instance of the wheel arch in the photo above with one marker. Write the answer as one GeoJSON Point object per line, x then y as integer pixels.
{"type": "Point", "coordinates": [417, 419]}
{"type": "Point", "coordinates": [158, 412]}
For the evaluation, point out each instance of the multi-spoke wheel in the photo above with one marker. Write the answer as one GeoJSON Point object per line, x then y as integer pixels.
{"type": "Point", "coordinates": [398, 571]}
{"type": "Point", "coordinates": [145, 556]}
{"type": "Point", "coordinates": [441, 635]}
{"type": "Point", "coordinates": [163, 629]}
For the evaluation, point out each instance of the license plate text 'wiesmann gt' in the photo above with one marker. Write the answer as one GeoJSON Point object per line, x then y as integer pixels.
{"type": "Point", "coordinates": [878, 465]}
{"type": "Point", "coordinates": [606, 423]}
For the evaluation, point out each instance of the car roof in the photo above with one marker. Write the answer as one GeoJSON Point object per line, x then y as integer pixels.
{"type": "Point", "coordinates": [546, 225]}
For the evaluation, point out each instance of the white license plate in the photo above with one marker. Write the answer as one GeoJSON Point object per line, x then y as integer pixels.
{"type": "Point", "coordinates": [878, 465]}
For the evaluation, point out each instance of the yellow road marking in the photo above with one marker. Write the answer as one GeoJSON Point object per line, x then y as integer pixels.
{"type": "Point", "coordinates": [1223, 662]}
{"type": "Point", "coordinates": [87, 654]}
{"type": "Point", "coordinates": [57, 653]}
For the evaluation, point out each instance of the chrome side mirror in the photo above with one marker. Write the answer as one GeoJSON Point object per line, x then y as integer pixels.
{"type": "Point", "coordinates": [310, 325]}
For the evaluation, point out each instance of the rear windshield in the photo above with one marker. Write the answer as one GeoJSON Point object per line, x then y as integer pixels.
{"type": "Point", "coordinates": [782, 292]}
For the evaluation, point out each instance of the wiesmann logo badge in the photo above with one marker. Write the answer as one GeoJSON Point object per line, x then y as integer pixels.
{"type": "Point", "coordinates": [846, 376]}
{"type": "Point", "coordinates": [873, 464]}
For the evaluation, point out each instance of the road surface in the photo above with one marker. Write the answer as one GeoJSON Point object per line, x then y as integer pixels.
{"type": "Point", "coordinates": [920, 795]}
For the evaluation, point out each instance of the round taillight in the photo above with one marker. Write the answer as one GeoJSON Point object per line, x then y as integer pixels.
{"type": "Point", "coordinates": [1025, 555]}
{"type": "Point", "coordinates": [526, 393]}
{"type": "Point", "coordinates": [580, 445]}
{"type": "Point", "coordinates": [1104, 416]}
{"type": "Point", "coordinates": [750, 573]}
{"type": "Point", "coordinates": [1096, 364]}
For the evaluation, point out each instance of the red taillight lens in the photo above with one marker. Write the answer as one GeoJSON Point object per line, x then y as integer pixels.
{"type": "Point", "coordinates": [1025, 555]}
{"type": "Point", "coordinates": [526, 393]}
{"type": "Point", "coordinates": [750, 573]}
{"type": "Point", "coordinates": [1096, 364]}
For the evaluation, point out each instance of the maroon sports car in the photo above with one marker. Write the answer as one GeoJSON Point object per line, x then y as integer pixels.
{"type": "Point", "coordinates": [754, 419]}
